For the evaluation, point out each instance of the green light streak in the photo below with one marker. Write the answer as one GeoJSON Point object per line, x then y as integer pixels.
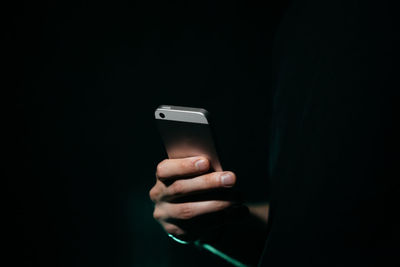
{"type": "Point", "coordinates": [222, 255]}
{"type": "Point", "coordinates": [211, 249]}
{"type": "Point", "coordinates": [178, 240]}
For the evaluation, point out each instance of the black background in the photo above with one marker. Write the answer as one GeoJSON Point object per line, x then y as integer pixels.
{"type": "Point", "coordinates": [88, 76]}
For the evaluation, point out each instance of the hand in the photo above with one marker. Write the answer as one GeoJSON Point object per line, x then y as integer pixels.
{"type": "Point", "coordinates": [189, 199]}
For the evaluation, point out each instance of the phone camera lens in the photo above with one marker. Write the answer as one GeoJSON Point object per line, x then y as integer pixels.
{"type": "Point", "coordinates": [162, 115]}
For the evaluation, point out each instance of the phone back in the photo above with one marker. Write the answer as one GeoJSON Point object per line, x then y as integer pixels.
{"type": "Point", "coordinates": [186, 132]}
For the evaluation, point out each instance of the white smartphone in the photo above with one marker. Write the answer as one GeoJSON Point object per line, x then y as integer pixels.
{"type": "Point", "coordinates": [186, 132]}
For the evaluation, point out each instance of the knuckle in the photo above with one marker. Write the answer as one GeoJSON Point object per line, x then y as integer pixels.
{"type": "Point", "coordinates": [171, 229]}
{"type": "Point", "coordinates": [154, 193]}
{"type": "Point", "coordinates": [157, 214]}
{"type": "Point", "coordinates": [186, 211]}
{"type": "Point", "coordinates": [160, 168]}
{"type": "Point", "coordinates": [185, 164]}
{"type": "Point", "coordinates": [177, 188]}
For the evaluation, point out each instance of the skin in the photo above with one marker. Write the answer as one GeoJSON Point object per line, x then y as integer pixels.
{"type": "Point", "coordinates": [177, 178]}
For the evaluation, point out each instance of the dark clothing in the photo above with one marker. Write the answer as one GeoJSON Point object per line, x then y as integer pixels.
{"type": "Point", "coordinates": [334, 149]}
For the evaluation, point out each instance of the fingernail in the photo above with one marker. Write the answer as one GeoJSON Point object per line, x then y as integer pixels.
{"type": "Point", "coordinates": [201, 164]}
{"type": "Point", "coordinates": [227, 179]}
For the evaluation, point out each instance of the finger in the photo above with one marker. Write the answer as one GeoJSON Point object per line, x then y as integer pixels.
{"type": "Point", "coordinates": [172, 229]}
{"type": "Point", "coordinates": [175, 168]}
{"type": "Point", "coordinates": [198, 184]}
{"type": "Point", "coordinates": [156, 193]}
{"type": "Point", "coordinates": [188, 210]}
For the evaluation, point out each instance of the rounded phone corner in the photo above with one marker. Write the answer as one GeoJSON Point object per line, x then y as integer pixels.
{"type": "Point", "coordinates": [183, 114]}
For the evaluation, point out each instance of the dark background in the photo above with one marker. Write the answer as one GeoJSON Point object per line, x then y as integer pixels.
{"type": "Point", "coordinates": [88, 76]}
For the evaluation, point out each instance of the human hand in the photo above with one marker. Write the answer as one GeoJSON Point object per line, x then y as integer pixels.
{"type": "Point", "coordinates": [189, 200]}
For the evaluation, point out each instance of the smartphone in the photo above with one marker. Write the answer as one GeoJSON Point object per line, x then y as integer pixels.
{"type": "Point", "coordinates": [186, 132]}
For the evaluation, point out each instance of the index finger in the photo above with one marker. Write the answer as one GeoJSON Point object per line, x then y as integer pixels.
{"type": "Point", "coordinates": [175, 168]}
